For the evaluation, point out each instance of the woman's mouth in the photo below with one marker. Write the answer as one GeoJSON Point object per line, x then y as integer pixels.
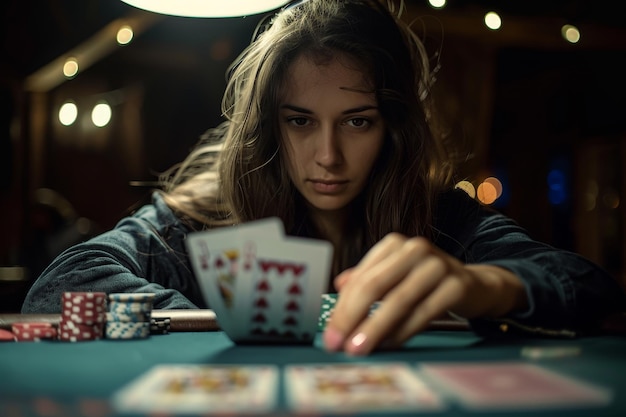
{"type": "Point", "coordinates": [328, 186]}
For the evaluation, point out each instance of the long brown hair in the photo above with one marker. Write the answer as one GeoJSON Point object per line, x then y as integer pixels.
{"type": "Point", "coordinates": [243, 176]}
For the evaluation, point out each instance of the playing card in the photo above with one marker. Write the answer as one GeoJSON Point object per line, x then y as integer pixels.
{"type": "Point", "coordinates": [513, 385]}
{"type": "Point", "coordinates": [356, 387]}
{"type": "Point", "coordinates": [264, 287]}
{"type": "Point", "coordinates": [279, 294]}
{"type": "Point", "coordinates": [215, 257]}
{"type": "Point", "coordinates": [200, 389]}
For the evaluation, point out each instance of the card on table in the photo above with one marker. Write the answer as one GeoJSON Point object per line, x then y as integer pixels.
{"type": "Point", "coordinates": [273, 284]}
{"type": "Point", "coordinates": [513, 385]}
{"type": "Point", "coordinates": [200, 389]}
{"type": "Point", "coordinates": [357, 387]}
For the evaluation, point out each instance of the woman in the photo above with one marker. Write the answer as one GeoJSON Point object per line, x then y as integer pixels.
{"type": "Point", "coordinates": [329, 127]}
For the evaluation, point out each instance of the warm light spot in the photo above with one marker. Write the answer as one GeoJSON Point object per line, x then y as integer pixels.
{"type": "Point", "coordinates": [487, 193]}
{"type": "Point", "coordinates": [101, 114]}
{"type": "Point", "coordinates": [590, 195]}
{"type": "Point", "coordinates": [493, 21]}
{"type": "Point", "coordinates": [497, 185]}
{"type": "Point", "coordinates": [124, 35]}
{"type": "Point", "coordinates": [466, 186]}
{"type": "Point", "coordinates": [70, 68]}
{"type": "Point", "coordinates": [611, 199]}
{"type": "Point", "coordinates": [437, 4]}
{"type": "Point", "coordinates": [68, 113]}
{"type": "Point", "coordinates": [570, 33]}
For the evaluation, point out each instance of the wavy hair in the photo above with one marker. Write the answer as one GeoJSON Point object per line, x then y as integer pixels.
{"type": "Point", "coordinates": [238, 172]}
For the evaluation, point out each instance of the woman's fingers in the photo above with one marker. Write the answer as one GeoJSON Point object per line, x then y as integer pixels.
{"type": "Point", "coordinates": [397, 305]}
{"type": "Point", "coordinates": [387, 267]}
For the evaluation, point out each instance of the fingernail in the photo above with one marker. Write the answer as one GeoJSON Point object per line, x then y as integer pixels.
{"type": "Point", "coordinates": [357, 344]}
{"type": "Point", "coordinates": [333, 340]}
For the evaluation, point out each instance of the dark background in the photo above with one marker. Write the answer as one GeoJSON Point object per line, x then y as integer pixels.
{"type": "Point", "coordinates": [525, 104]}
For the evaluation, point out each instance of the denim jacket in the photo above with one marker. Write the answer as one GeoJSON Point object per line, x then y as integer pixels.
{"type": "Point", "coordinates": [146, 252]}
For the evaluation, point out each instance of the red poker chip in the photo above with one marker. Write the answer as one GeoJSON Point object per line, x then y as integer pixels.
{"type": "Point", "coordinates": [7, 336]}
{"type": "Point", "coordinates": [73, 332]}
{"type": "Point", "coordinates": [33, 331]}
{"type": "Point", "coordinates": [84, 307]}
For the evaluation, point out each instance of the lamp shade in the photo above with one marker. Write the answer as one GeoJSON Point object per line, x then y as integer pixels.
{"type": "Point", "coordinates": [207, 8]}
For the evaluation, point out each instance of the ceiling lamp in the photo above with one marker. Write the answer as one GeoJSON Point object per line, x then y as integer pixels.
{"type": "Point", "coordinates": [207, 8]}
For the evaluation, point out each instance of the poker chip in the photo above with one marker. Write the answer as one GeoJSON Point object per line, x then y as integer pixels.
{"type": "Point", "coordinates": [328, 304]}
{"type": "Point", "coordinates": [83, 316]}
{"type": "Point", "coordinates": [33, 331]}
{"type": "Point", "coordinates": [160, 325]}
{"type": "Point", "coordinates": [127, 330]}
{"type": "Point", "coordinates": [7, 336]}
{"type": "Point", "coordinates": [129, 316]}
{"type": "Point", "coordinates": [327, 307]}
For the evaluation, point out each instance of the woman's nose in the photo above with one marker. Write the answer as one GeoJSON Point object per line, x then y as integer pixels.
{"type": "Point", "coordinates": [328, 148]}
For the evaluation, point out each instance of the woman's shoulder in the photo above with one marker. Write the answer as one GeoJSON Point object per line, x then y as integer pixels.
{"type": "Point", "coordinates": [154, 214]}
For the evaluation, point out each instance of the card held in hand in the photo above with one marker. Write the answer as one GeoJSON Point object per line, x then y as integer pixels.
{"type": "Point", "coordinates": [215, 258]}
{"type": "Point", "coordinates": [264, 287]}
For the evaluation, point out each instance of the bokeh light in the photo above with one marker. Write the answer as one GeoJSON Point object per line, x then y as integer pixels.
{"type": "Point", "coordinates": [70, 68]}
{"type": "Point", "coordinates": [68, 113]}
{"type": "Point", "coordinates": [437, 4]}
{"type": "Point", "coordinates": [124, 35]}
{"type": "Point", "coordinates": [486, 193]}
{"type": "Point", "coordinates": [493, 20]}
{"type": "Point", "coordinates": [101, 114]}
{"type": "Point", "coordinates": [466, 186]}
{"type": "Point", "coordinates": [570, 33]}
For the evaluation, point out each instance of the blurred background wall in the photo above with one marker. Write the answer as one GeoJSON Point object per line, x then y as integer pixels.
{"type": "Point", "coordinates": [542, 115]}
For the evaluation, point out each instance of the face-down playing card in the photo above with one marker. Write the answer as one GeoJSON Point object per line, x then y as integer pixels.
{"type": "Point", "coordinates": [276, 287]}
{"type": "Point", "coordinates": [513, 385]}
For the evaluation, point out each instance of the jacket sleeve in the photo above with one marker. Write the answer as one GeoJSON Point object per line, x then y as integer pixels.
{"type": "Point", "coordinates": [567, 293]}
{"type": "Point", "coordinates": [144, 253]}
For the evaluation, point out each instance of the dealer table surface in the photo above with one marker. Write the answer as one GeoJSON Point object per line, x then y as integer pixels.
{"type": "Point", "coordinates": [52, 378]}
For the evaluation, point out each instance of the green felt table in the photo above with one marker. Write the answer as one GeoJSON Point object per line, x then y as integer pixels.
{"type": "Point", "coordinates": [51, 378]}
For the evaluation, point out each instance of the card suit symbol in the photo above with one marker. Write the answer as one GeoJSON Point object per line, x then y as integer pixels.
{"type": "Point", "coordinates": [290, 321]}
{"type": "Point", "coordinates": [263, 286]}
{"type": "Point", "coordinates": [247, 266]}
{"type": "Point", "coordinates": [259, 318]}
{"type": "Point", "coordinates": [204, 264]}
{"type": "Point", "coordinates": [261, 303]}
{"type": "Point", "coordinates": [257, 330]}
{"type": "Point", "coordinates": [295, 290]}
{"type": "Point", "coordinates": [289, 334]}
{"type": "Point", "coordinates": [298, 269]}
{"type": "Point", "coordinates": [273, 332]}
{"type": "Point", "coordinates": [282, 268]}
{"type": "Point", "coordinates": [219, 263]}
{"type": "Point", "coordinates": [292, 306]}
{"type": "Point", "coordinates": [265, 265]}
{"type": "Point", "coordinates": [305, 336]}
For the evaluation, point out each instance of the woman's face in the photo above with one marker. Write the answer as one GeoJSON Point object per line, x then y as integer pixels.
{"type": "Point", "coordinates": [332, 130]}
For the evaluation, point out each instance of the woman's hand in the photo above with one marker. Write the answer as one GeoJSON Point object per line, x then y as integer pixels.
{"type": "Point", "coordinates": [416, 282]}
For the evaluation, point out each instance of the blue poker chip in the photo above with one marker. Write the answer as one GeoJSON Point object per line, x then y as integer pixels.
{"type": "Point", "coordinates": [127, 330]}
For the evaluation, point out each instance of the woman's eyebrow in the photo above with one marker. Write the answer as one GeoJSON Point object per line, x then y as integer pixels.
{"type": "Point", "coordinates": [296, 108]}
{"type": "Point", "coordinates": [348, 111]}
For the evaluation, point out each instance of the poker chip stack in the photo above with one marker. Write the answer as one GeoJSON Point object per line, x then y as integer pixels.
{"type": "Point", "coordinates": [327, 307]}
{"type": "Point", "coordinates": [83, 315]}
{"type": "Point", "coordinates": [33, 331]}
{"type": "Point", "coordinates": [328, 304]}
{"type": "Point", "coordinates": [129, 315]}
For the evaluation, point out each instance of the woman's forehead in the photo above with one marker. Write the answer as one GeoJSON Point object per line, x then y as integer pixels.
{"type": "Point", "coordinates": [337, 66]}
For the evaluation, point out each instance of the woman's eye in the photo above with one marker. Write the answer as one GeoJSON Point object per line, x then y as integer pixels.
{"type": "Point", "coordinates": [358, 122]}
{"type": "Point", "coordinates": [298, 121]}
